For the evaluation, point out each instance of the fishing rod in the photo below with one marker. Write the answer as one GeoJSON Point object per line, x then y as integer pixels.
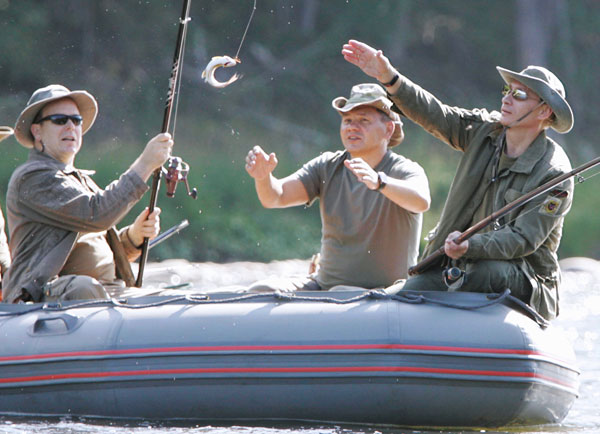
{"type": "Point", "coordinates": [177, 61]}
{"type": "Point", "coordinates": [433, 258]}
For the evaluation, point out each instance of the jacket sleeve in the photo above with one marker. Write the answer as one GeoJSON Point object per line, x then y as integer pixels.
{"type": "Point", "coordinates": [58, 199]}
{"type": "Point", "coordinates": [539, 223]}
{"type": "Point", "coordinates": [452, 125]}
{"type": "Point", "coordinates": [132, 251]}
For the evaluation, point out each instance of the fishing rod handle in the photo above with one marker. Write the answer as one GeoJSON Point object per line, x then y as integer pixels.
{"type": "Point", "coordinates": [426, 263]}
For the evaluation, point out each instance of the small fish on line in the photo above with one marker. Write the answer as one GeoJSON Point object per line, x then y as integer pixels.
{"type": "Point", "coordinates": [217, 62]}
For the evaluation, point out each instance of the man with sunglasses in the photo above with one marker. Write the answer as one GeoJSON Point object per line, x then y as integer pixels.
{"type": "Point", "coordinates": [505, 155]}
{"type": "Point", "coordinates": [62, 238]}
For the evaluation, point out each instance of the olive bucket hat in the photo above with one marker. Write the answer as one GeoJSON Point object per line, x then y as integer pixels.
{"type": "Point", "coordinates": [5, 132]}
{"type": "Point", "coordinates": [86, 103]}
{"type": "Point", "coordinates": [373, 95]}
{"type": "Point", "coordinates": [549, 88]}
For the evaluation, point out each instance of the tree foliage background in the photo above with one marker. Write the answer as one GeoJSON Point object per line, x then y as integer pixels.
{"type": "Point", "coordinates": [121, 51]}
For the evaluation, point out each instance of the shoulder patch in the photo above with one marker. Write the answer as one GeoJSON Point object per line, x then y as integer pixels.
{"type": "Point", "coordinates": [551, 206]}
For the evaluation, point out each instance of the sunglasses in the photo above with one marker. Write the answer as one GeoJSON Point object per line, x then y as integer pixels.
{"type": "Point", "coordinates": [59, 119]}
{"type": "Point", "coordinates": [518, 94]}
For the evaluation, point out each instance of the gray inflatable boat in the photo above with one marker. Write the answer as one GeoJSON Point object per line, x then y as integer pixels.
{"type": "Point", "coordinates": [414, 359]}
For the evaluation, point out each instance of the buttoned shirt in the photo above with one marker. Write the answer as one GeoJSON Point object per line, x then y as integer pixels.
{"type": "Point", "coordinates": [49, 204]}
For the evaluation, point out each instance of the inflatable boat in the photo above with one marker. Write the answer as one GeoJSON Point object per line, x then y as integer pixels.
{"type": "Point", "coordinates": [357, 357]}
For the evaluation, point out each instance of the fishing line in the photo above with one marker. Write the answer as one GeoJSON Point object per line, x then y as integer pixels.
{"type": "Point", "coordinates": [245, 31]}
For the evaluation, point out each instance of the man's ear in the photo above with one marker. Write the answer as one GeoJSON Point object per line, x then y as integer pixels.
{"type": "Point", "coordinates": [391, 126]}
{"type": "Point", "coordinates": [35, 131]}
{"type": "Point", "coordinates": [545, 112]}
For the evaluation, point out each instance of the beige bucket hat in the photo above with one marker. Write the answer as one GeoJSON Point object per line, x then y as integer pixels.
{"type": "Point", "coordinates": [549, 88]}
{"type": "Point", "coordinates": [5, 132]}
{"type": "Point", "coordinates": [375, 96]}
{"type": "Point", "coordinates": [88, 108]}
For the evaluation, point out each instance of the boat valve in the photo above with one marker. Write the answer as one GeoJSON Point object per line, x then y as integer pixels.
{"type": "Point", "coordinates": [177, 171]}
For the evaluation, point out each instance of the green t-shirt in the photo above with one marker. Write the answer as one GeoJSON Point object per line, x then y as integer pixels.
{"type": "Point", "coordinates": [367, 240]}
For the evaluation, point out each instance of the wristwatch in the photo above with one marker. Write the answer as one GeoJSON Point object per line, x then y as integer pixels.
{"type": "Point", "coordinates": [383, 180]}
{"type": "Point", "coordinates": [392, 81]}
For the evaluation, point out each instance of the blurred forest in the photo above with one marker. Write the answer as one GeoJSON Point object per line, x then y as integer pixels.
{"type": "Point", "coordinates": [121, 51]}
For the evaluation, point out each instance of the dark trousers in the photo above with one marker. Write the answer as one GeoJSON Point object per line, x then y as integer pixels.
{"type": "Point", "coordinates": [480, 276]}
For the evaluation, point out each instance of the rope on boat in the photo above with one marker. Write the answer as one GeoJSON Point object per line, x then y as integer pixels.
{"type": "Point", "coordinates": [402, 297]}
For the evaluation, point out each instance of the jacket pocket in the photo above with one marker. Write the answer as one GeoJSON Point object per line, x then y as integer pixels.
{"type": "Point", "coordinates": [511, 195]}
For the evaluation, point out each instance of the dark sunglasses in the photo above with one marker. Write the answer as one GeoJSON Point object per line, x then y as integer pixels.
{"type": "Point", "coordinates": [518, 94]}
{"type": "Point", "coordinates": [59, 119]}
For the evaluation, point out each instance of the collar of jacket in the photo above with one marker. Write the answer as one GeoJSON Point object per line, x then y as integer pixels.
{"type": "Point", "coordinates": [38, 156]}
{"type": "Point", "coordinates": [528, 159]}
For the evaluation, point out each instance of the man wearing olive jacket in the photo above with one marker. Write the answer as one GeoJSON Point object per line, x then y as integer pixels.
{"type": "Point", "coordinates": [505, 155]}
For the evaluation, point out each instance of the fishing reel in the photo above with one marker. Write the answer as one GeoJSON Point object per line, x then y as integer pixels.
{"type": "Point", "coordinates": [453, 278]}
{"type": "Point", "coordinates": [176, 171]}
{"type": "Point", "coordinates": [453, 273]}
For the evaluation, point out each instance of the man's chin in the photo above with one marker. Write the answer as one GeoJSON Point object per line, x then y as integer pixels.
{"type": "Point", "coordinates": [352, 144]}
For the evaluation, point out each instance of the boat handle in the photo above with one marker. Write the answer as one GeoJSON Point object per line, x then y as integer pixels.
{"type": "Point", "coordinates": [56, 324]}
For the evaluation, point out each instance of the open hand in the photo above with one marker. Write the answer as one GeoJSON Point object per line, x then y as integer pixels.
{"type": "Point", "coordinates": [363, 172]}
{"type": "Point", "coordinates": [371, 61]}
{"type": "Point", "coordinates": [259, 164]}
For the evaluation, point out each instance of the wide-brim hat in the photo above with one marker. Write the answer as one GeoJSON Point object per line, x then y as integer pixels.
{"type": "Point", "coordinates": [549, 88]}
{"type": "Point", "coordinates": [370, 94]}
{"type": "Point", "coordinates": [5, 132]}
{"type": "Point", "coordinates": [86, 103]}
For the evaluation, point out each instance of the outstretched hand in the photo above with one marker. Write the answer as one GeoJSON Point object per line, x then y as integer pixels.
{"type": "Point", "coordinates": [363, 172]}
{"type": "Point", "coordinates": [371, 61]}
{"type": "Point", "coordinates": [259, 164]}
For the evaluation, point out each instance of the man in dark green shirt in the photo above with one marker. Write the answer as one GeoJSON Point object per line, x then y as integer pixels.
{"type": "Point", "coordinates": [505, 155]}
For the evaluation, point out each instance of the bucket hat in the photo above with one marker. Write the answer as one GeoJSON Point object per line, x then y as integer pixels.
{"type": "Point", "coordinates": [549, 88]}
{"type": "Point", "coordinates": [86, 103]}
{"type": "Point", "coordinates": [5, 132]}
{"type": "Point", "coordinates": [370, 94]}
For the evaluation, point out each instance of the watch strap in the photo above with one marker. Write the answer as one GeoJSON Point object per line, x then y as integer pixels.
{"type": "Point", "coordinates": [383, 180]}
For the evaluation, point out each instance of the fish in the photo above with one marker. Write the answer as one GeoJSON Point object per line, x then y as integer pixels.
{"type": "Point", "coordinates": [217, 62]}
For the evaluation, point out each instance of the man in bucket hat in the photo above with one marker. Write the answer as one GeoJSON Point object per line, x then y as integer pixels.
{"type": "Point", "coordinates": [371, 198]}
{"type": "Point", "coordinates": [61, 224]}
{"type": "Point", "coordinates": [5, 132]}
{"type": "Point", "coordinates": [505, 155]}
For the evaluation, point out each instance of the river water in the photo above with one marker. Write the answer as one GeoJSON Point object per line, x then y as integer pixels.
{"type": "Point", "coordinates": [579, 319]}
